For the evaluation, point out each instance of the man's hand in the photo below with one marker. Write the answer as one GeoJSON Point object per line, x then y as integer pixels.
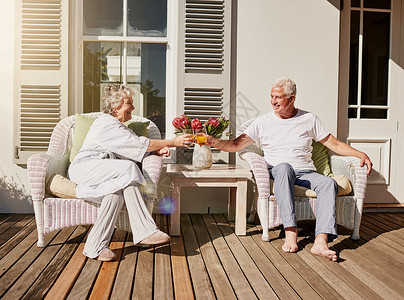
{"type": "Point", "coordinates": [165, 152]}
{"type": "Point", "coordinates": [365, 160]}
{"type": "Point", "coordinates": [234, 145]}
{"type": "Point", "coordinates": [184, 140]}
{"type": "Point", "coordinates": [210, 141]}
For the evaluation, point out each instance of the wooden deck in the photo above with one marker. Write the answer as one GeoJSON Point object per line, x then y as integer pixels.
{"type": "Point", "coordinates": [209, 261]}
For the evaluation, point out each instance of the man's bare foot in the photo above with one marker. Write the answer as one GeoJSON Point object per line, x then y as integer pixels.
{"type": "Point", "coordinates": [290, 244]}
{"type": "Point", "coordinates": [320, 247]}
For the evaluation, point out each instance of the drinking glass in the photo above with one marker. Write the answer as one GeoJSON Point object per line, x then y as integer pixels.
{"type": "Point", "coordinates": [200, 136]}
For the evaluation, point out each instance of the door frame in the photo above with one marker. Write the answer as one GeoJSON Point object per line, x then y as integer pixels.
{"type": "Point", "coordinates": [390, 144]}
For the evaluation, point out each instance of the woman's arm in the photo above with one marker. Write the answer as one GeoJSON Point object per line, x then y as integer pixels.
{"type": "Point", "coordinates": [181, 141]}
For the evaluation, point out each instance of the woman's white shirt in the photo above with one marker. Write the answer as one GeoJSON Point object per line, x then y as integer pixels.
{"type": "Point", "coordinates": [107, 160]}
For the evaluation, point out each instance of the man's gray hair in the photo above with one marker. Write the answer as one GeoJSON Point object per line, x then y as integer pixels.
{"type": "Point", "coordinates": [288, 86]}
{"type": "Point", "coordinates": [113, 96]}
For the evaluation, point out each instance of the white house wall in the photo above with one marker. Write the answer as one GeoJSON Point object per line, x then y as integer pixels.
{"type": "Point", "coordinates": [296, 39]}
{"type": "Point", "coordinates": [14, 187]}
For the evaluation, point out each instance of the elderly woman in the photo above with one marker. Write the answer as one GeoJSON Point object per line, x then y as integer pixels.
{"type": "Point", "coordinates": [105, 168]}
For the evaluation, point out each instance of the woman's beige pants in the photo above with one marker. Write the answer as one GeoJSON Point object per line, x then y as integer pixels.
{"type": "Point", "coordinates": [141, 222]}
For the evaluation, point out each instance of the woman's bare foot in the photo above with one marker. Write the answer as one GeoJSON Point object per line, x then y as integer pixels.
{"type": "Point", "coordinates": [320, 247]}
{"type": "Point", "coordinates": [290, 244]}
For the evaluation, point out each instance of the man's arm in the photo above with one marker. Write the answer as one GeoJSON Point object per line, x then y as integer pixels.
{"type": "Point", "coordinates": [234, 145]}
{"type": "Point", "coordinates": [343, 149]}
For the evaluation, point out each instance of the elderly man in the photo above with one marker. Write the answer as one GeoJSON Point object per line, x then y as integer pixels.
{"type": "Point", "coordinates": [286, 135]}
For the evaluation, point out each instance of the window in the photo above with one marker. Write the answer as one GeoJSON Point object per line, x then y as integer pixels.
{"type": "Point", "coordinates": [369, 59]}
{"type": "Point", "coordinates": [126, 42]}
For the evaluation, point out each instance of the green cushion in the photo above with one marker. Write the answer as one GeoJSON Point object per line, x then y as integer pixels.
{"type": "Point", "coordinates": [320, 158]}
{"type": "Point", "coordinates": [81, 128]}
{"type": "Point", "coordinates": [83, 124]}
{"type": "Point", "coordinates": [140, 128]}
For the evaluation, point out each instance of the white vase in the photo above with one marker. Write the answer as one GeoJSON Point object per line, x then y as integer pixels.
{"type": "Point", "coordinates": [202, 156]}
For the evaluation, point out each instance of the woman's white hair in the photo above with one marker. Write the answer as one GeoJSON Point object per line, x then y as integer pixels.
{"type": "Point", "coordinates": [288, 86]}
{"type": "Point", "coordinates": [114, 94]}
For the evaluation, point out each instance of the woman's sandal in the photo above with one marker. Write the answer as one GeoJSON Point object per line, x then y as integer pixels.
{"type": "Point", "coordinates": [156, 238]}
{"type": "Point", "coordinates": [106, 255]}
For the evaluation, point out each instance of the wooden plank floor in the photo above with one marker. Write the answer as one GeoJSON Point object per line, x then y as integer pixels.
{"type": "Point", "coordinates": [207, 262]}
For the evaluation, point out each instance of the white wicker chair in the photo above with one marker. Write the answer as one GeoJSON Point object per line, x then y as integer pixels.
{"type": "Point", "coordinates": [53, 213]}
{"type": "Point", "coordinates": [349, 208]}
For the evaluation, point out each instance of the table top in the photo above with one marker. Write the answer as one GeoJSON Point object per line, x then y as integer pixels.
{"type": "Point", "coordinates": [215, 171]}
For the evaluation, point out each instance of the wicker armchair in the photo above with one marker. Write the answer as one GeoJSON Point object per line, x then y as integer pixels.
{"type": "Point", "coordinates": [53, 213]}
{"type": "Point", "coordinates": [349, 208]}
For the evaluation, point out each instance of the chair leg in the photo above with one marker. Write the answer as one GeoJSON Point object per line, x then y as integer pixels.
{"type": "Point", "coordinates": [358, 218]}
{"type": "Point", "coordinates": [253, 210]}
{"type": "Point", "coordinates": [41, 240]}
{"type": "Point", "coordinates": [251, 217]}
{"type": "Point", "coordinates": [38, 209]}
{"type": "Point", "coordinates": [355, 235]}
{"type": "Point", "coordinates": [263, 213]}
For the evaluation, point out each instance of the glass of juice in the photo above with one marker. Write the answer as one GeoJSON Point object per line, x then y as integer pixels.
{"type": "Point", "coordinates": [201, 136]}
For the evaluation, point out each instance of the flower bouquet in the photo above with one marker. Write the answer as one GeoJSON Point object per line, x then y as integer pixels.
{"type": "Point", "coordinates": [202, 155]}
{"type": "Point", "coordinates": [213, 126]}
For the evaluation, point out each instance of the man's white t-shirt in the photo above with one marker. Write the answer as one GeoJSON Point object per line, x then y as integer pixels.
{"type": "Point", "coordinates": [288, 140]}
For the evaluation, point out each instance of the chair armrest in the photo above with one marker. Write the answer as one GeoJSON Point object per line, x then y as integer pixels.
{"type": "Point", "coordinates": [349, 166]}
{"type": "Point", "coordinates": [151, 167]}
{"type": "Point", "coordinates": [36, 166]}
{"type": "Point", "coordinates": [40, 167]}
{"type": "Point", "coordinates": [260, 170]}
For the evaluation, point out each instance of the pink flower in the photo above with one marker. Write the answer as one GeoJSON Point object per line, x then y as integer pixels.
{"type": "Point", "coordinates": [185, 122]}
{"type": "Point", "coordinates": [196, 124]}
{"type": "Point", "coordinates": [216, 126]}
{"type": "Point", "coordinates": [181, 123]}
{"type": "Point", "coordinates": [177, 123]}
{"type": "Point", "coordinates": [214, 122]}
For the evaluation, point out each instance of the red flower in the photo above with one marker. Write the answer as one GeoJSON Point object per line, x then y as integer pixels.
{"type": "Point", "coordinates": [176, 123]}
{"type": "Point", "coordinates": [196, 125]}
{"type": "Point", "coordinates": [216, 126]}
{"type": "Point", "coordinates": [214, 122]}
{"type": "Point", "coordinates": [182, 122]}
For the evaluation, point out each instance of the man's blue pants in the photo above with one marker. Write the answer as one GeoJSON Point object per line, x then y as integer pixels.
{"type": "Point", "coordinates": [326, 188]}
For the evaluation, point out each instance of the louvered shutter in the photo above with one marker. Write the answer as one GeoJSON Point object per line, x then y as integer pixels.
{"type": "Point", "coordinates": [41, 73]}
{"type": "Point", "coordinates": [205, 45]}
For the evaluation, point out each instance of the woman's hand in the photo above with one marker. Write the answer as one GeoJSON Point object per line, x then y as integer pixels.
{"type": "Point", "coordinates": [165, 152]}
{"type": "Point", "coordinates": [184, 140]}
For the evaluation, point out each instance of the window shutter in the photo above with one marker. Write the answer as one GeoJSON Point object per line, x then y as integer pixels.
{"type": "Point", "coordinates": [41, 73]}
{"type": "Point", "coordinates": [205, 45]}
